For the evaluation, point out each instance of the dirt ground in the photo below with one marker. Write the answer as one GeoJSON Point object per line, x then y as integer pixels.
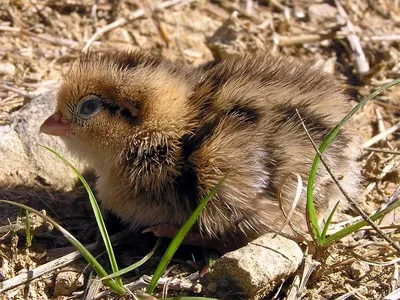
{"type": "Point", "coordinates": [358, 41]}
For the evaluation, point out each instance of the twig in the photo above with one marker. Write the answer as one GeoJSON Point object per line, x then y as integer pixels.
{"type": "Point", "coordinates": [381, 136]}
{"type": "Point", "coordinates": [305, 38]}
{"type": "Point", "coordinates": [348, 198]}
{"type": "Point", "coordinates": [76, 5]}
{"type": "Point", "coordinates": [373, 263]}
{"type": "Point", "coordinates": [381, 125]}
{"type": "Point", "coordinates": [359, 58]}
{"type": "Point", "coordinates": [379, 38]}
{"type": "Point", "coordinates": [309, 265]}
{"type": "Point", "coordinates": [18, 91]}
{"type": "Point", "coordinates": [121, 22]}
{"type": "Point", "coordinates": [49, 267]}
{"type": "Point", "coordinates": [93, 287]}
{"type": "Point", "coordinates": [351, 293]}
{"type": "Point", "coordinates": [52, 40]}
{"type": "Point", "coordinates": [42, 270]}
{"type": "Point", "coordinates": [174, 284]}
{"type": "Point", "coordinates": [8, 28]}
{"type": "Point", "coordinates": [382, 150]}
{"type": "Point", "coordinates": [216, 11]}
{"type": "Point", "coordinates": [391, 200]}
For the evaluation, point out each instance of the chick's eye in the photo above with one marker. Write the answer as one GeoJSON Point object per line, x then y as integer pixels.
{"type": "Point", "coordinates": [89, 107]}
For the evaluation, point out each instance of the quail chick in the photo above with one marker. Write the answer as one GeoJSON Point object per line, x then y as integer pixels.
{"type": "Point", "coordinates": [160, 136]}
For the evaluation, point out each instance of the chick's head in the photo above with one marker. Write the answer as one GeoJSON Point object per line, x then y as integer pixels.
{"type": "Point", "coordinates": [120, 103]}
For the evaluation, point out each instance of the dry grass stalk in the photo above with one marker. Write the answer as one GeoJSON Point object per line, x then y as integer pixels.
{"type": "Point", "coordinates": [381, 136]}
{"type": "Point", "coordinates": [382, 150]}
{"type": "Point", "coordinates": [360, 60]}
{"type": "Point", "coordinates": [121, 22]}
{"type": "Point", "coordinates": [44, 269]}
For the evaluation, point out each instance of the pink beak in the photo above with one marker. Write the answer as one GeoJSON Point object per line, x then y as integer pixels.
{"type": "Point", "coordinates": [54, 126]}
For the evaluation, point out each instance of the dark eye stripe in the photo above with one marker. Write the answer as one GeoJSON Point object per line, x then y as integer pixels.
{"type": "Point", "coordinates": [122, 111]}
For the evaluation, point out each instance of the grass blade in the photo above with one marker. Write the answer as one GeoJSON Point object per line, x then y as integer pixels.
{"type": "Point", "coordinates": [85, 253]}
{"type": "Point", "coordinates": [135, 265]}
{"type": "Point", "coordinates": [97, 214]}
{"type": "Point", "coordinates": [352, 228]}
{"type": "Point", "coordinates": [177, 240]}
{"type": "Point", "coordinates": [328, 222]}
{"type": "Point", "coordinates": [328, 139]}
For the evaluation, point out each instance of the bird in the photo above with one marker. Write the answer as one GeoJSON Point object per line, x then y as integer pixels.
{"type": "Point", "coordinates": [161, 135]}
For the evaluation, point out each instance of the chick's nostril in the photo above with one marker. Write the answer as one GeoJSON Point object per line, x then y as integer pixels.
{"type": "Point", "coordinates": [54, 126]}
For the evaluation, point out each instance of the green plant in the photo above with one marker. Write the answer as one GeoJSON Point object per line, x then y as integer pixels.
{"type": "Point", "coordinates": [177, 240]}
{"type": "Point", "coordinates": [113, 280]}
{"type": "Point", "coordinates": [320, 237]}
{"type": "Point", "coordinates": [78, 245]}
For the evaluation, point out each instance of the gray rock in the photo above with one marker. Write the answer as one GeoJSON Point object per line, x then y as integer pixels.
{"type": "Point", "coordinates": [24, 161]}
{"type": "Point", "coordinates": [259, 267]}
{"type": "Point", "coordinates": [322, 12]}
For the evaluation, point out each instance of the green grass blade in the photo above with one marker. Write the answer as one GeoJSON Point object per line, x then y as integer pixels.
{"type": "Point", "coordinates": [352, 228]}
{"type": "Point", "coordinates": [328, 139]}
{"type": "Point", "coordinates": [328, 222]}
{"type": "Point", "coordinates": [97, 214]}
{"type": "Point", "coordinates": [135, 265]}
{"type": "Point", "coordinates": [85, 253]}
{"type": "Point", "coordinates": [177, 240]}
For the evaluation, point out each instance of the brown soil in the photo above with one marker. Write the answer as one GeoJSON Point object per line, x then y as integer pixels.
{"type": "Point", "coordinates": [40, 39]}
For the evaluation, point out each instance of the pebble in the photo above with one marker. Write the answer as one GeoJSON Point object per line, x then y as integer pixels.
{"type": "Point", "coordinates": [7, 69]}
{"type": "Point", "coordinates": [68, 282]}
{"type": "Point", "coordinates": [259, 267]}
{"type": "Point", "coordinates": [24, 162]}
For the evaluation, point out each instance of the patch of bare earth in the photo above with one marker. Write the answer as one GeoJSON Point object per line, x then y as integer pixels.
{"type": "Point", "coordinates": [359, 41]}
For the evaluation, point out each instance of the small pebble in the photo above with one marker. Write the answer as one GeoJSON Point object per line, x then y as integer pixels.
{"type": "Point", "coordinates": [67, 282]}
{"type": "Point", "coordinates": [7, 69]}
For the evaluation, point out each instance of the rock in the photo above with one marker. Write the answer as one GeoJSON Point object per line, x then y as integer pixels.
{"type": "Point", "coordinates": [24, 162]}
{"type": "Point", "coordinates": [259, 267]}
{"type": "Point", "coordinates": [7, 69]}
{"type": "Point", "coordinates": [68, 282]}
{"type": "Point", "coordinates": [322, 12]}
{"type": "Point", "coordinates": [120, 35]}
{"type": "Point", "coordinates": [358, 270]}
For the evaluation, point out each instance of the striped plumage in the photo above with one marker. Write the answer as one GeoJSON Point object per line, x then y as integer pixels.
{"type": "Point", "coordinates": [164, 135]}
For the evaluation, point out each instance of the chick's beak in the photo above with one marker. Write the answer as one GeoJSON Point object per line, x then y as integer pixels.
{"type": "Point", "coordinates": [54, 126]}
